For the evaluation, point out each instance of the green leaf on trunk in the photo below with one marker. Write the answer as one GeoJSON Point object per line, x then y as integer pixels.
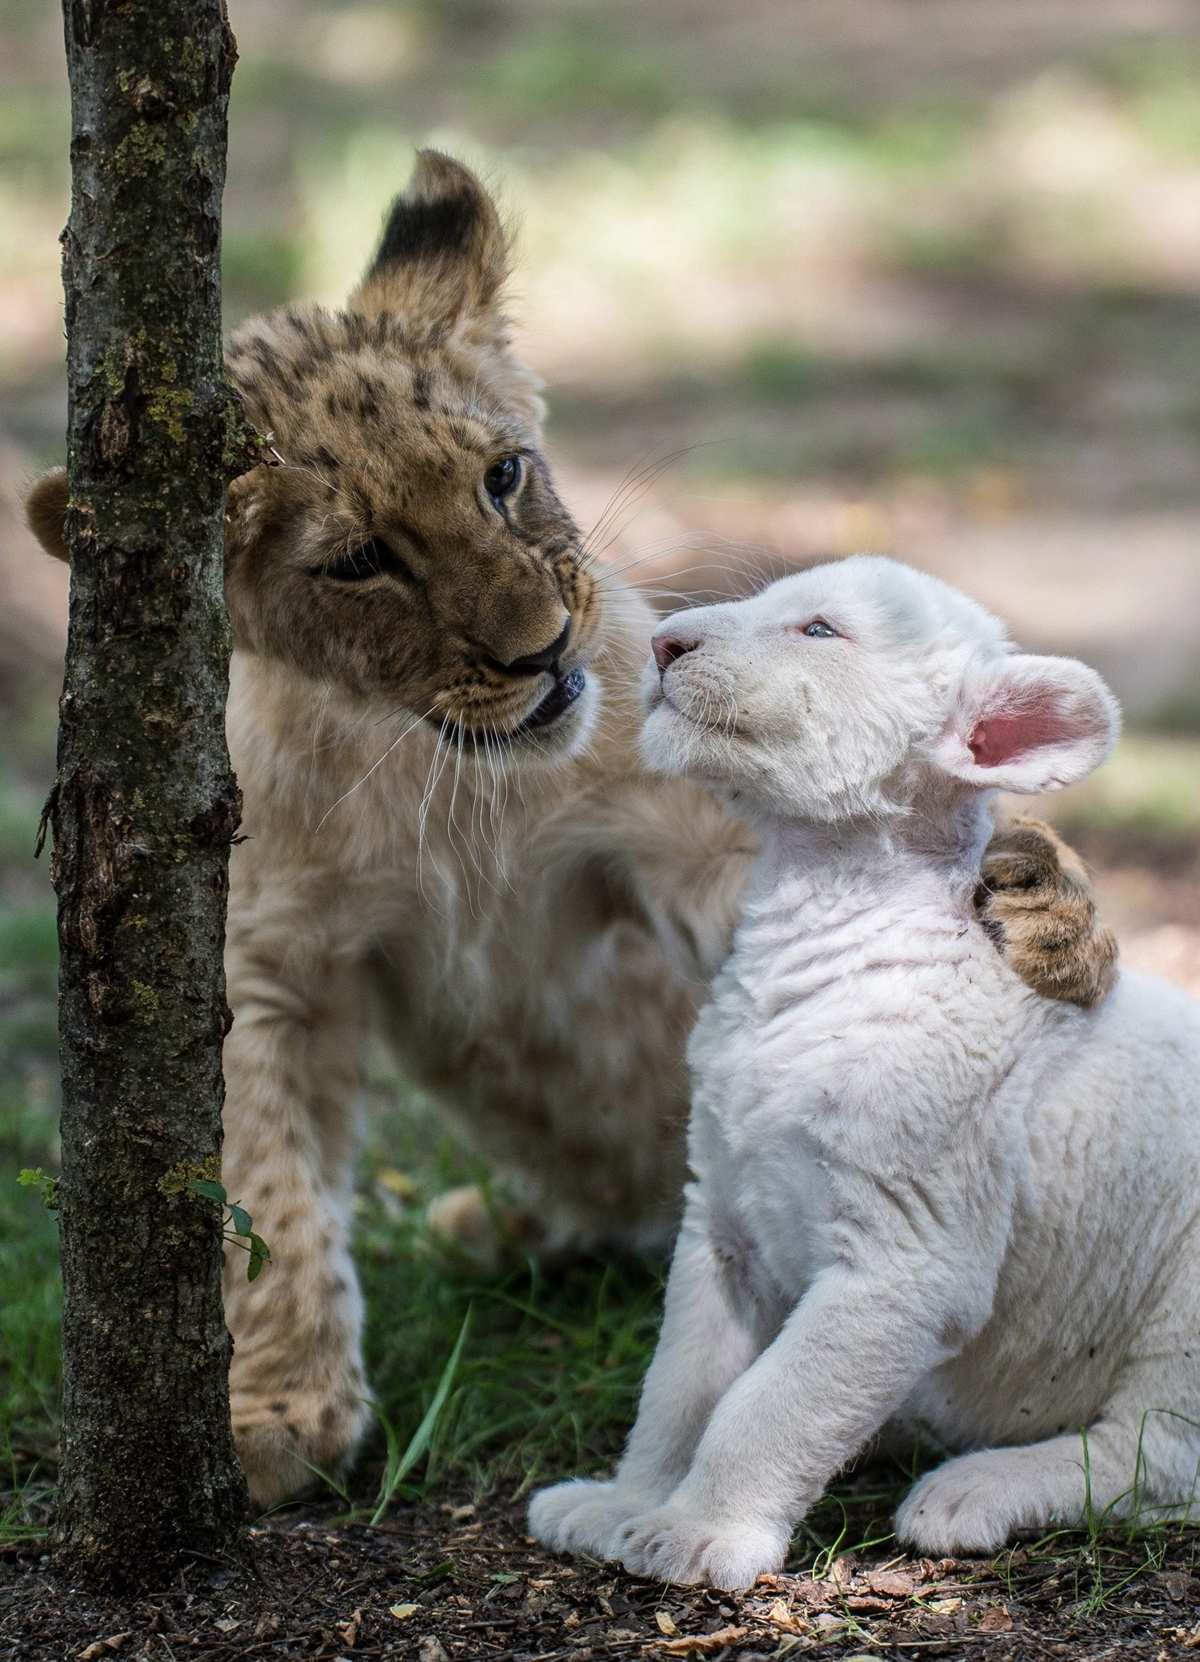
{"type": "Point", "coordinates": [208, 1191]}
{"type": "Point", "coordinates": [33, 1177]}
{"type": "Point", "coordinates": [260, 1254]}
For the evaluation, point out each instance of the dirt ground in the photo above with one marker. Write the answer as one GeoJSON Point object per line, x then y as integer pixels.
{"type": "Point", "coordinates": [448, 1582]}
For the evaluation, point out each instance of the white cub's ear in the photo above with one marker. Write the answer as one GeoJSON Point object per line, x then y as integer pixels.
{"type": "Point", "coordinates": [1029, 724]}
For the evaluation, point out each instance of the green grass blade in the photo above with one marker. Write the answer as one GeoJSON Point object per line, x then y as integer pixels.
{"type": "Point", "coordinates": [397, 1470]}
{"type": "Point", "coordinates": [339, 1489]}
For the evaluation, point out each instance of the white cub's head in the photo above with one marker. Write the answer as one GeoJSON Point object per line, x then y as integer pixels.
{"type": "Point", "coordinates": [859, 688]}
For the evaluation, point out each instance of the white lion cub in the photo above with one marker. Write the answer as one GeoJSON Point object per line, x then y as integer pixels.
{"type": "Point", "coordinates": [921, 1193]}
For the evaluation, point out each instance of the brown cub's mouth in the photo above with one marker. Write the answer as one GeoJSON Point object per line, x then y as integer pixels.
{"type": "Point", "coordinates": [565, 690]}
{"type": "Point", "coordinates": [562, 695]}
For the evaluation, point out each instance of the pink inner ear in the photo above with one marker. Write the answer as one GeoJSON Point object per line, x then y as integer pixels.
{"type": "Point", "coordinates": [1000, 739]}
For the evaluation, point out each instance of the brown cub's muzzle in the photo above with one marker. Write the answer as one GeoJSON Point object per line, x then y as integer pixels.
{"type": "Point", "coordinates": [524, 685]}
{"type": "Point", "coordinates": [566, 686]}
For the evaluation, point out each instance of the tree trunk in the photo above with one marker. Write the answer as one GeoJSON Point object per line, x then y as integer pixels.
{"type": "Point", "coordinates": [145, 804]}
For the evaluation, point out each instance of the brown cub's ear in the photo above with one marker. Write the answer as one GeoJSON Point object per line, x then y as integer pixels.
{"type": "Point", "coordinates": [46, 511]}
{"type": "Point", "coordinates": [444, 255]}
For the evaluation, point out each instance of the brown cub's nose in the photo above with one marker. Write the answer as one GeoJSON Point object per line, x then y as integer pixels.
{"type": "Point", "coordinates": [532, 662]}
{"type": "Point", "coordinates": [667, 648]}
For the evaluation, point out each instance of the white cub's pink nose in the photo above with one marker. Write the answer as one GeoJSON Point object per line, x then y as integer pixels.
{"type": "Point", "coordinates": [667, 646]}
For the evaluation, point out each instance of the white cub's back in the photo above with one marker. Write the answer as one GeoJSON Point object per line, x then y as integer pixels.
{"type": "Point", "coordinates": [1104, 1259]}
{"type": "Point", "coordinates": [921, 1193]}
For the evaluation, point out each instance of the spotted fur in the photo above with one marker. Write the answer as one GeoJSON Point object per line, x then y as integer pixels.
{"type": "Point", "coordinates": [384, 419]}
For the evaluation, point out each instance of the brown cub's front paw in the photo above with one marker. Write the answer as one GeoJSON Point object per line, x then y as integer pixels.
{"type": "Point", "coordinates": [1035, 899]}
{"type": "Point", "coordinates": [285, 1444]}
{"type": "Point", "coordinates": [463, 1220]}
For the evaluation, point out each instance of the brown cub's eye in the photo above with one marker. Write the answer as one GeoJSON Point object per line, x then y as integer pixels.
{"type": "Point", "coordinates": [374, 559]}
{"type": "Point", "coordinates": [500, 480]}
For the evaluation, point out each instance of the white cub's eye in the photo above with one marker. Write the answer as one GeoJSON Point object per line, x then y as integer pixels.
{"type": "Point", "coordinates": [819, 630]}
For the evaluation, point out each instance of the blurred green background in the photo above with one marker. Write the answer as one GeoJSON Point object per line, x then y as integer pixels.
{"type": "Point", "coordinates": [920, 276]}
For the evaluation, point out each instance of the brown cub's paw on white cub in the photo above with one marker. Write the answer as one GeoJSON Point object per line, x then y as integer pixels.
{"type": "Point", "coordinates": [433, 717]}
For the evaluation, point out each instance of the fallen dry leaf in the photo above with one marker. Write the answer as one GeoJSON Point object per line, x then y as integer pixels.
{"type": "Point", "coordinates": [842, 1572]}
{"type": "Point", "coordinates": [349, 1630]}
{"type": "Point", "coordinates": [665, 1624]}
{"type": "Point", "coordinates": [782, 1618]}
{"type": "Point", "coordinates": [226, 1624]}
{"type": "Point", "coordinates": [892, 1584]}
{"type": "Point", "coordinates": [403, 1611]}
{"type": "Point", "coordinates": [431, 1650]}
{"type": "Point", "coordinates": [703, 1644]}
{"type": "Point", "coordinates": [827, 1623]}
{"type": "Point", "coordinates": [944, 1607]}
{"type": "Point", "coordinates": [398, 1183]}
{"type": "Point", "coordinates": [99, 1646]}
{"type": "Point", "coordinates": [996, 1620]}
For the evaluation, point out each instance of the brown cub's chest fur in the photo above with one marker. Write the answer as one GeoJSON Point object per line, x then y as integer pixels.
{"type": "Point", "coordinates": [433, 717]}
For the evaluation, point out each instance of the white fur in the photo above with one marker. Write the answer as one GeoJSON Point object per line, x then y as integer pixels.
{"type": "Point", "coordinates": [921, 1193]}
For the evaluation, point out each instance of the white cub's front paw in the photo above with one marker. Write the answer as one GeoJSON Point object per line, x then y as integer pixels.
{"type": "Point", "coordinates": [978, 1502]}
{"type": "Point", "coordinates": [669, 1544]}
{"type": "Point", "coordinates": [582, 1516]}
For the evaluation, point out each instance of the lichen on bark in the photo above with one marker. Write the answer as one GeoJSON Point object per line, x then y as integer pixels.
{"type": "Point", "coordinates": [145, 804]}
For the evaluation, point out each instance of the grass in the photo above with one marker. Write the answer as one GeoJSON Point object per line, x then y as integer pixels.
{"type": "Point", "coordinates": [550, 1375]}
{"type": "Point", "coordinates": [548, 1369]}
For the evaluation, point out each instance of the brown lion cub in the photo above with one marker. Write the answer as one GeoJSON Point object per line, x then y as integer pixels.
{"type": "Point", "coordinates": [433, 716]}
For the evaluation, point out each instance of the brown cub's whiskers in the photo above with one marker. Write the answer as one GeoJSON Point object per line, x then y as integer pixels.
{"type": "Point", "coordinates": [375, 765]}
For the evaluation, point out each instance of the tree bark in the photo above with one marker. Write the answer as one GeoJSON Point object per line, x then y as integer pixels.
{"type": "Point", "coordinates": [145, 804]}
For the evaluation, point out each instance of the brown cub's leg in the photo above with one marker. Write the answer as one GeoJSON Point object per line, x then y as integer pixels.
{"type": "Point", "coordinates": [291, 1139]}
{"type": "Point", "coordinates": [1036, 900]}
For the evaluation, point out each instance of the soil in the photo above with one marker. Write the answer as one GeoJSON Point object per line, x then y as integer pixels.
{"type": "Point", "coordinates": [452, 1582]}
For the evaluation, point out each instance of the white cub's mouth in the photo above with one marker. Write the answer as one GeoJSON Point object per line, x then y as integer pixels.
{"type": "Point", "coordinates": [691, 719]}
{"type": "Point", "coordinates": [703, 694]}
